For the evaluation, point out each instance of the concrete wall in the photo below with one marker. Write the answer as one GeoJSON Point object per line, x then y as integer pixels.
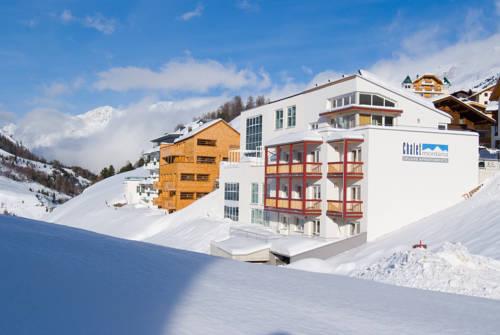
{"type": "Point", "coordinates": [397, 192]}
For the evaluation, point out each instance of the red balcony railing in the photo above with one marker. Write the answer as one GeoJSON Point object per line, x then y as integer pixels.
{"type": "Point", "coordinates": [294, 205]}
{"type": "Point", "coordinates": [294, 168]}
{"type": "Point", "coordinates": [353, 169]}
{"type": "Point", "coordinates": [349, 209]}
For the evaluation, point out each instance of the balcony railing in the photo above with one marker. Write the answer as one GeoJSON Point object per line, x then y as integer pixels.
{"type": "Point", "coordinates": [352, 168]}
{"type": "Point", "coordinates": [353, 208]}
{"type": "Point", "coordinates": [168, 186]}
{"type": "Point", "coordinates": [294, 168]}
{"type": "Point", "coordinates": [309, 205]}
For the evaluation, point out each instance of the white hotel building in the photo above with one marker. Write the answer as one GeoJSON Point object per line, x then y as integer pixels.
{"type": "Point", "coordinates": [349, 160]}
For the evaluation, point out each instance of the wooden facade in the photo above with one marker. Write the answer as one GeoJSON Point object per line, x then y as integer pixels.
{"type": "Point", "coordinates": [428, 86]}
{"type": "Point", "coordinates": [466, 117]}
{"type": "Point", "coordinates": [189, 168]}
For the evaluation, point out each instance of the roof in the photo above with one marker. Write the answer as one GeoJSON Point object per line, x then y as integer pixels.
{"type": "Point", "coordinates": [468, 107]}
{"type": "Point", "coordinates": [495, 95]}
{"type": "Point", "coordinates": [167, 138]}
{"type": "Point", "coordinates": [407, 80]}
{"type": "Point", "coordinates": [202, 128]}
{"type": "Point", "coordinates": [296, 137]}
{"type": "Point", "coordinates": [341, 134]}
{"type": "Point", "coordinates": [428, 75]}
{"type": "Point", "coordinates": [492, 106]}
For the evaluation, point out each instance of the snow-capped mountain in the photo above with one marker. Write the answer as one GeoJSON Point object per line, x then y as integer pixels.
{"type": "Point", "coordinates": [30, 186]}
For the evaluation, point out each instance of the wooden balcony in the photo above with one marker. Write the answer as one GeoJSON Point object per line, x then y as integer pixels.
{"type": "Point", "coordinates": [294, 169]}
{"type": "Point", "coordinates": [352, 169]}
{"type": "Point", "coordinates": [352, 209]}
{"type": "Point", "coordinates": [297, 206]}
{"type": "Point", "coordinates": [168, 186]}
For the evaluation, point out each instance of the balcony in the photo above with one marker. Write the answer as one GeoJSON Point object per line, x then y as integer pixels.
{"type": "Point", "coordinates": [350, 209]}
{"type": "Point", "coordinates": [168, 186]}
{"type": "Point", "coordinates": [306, 207]}
{"type": "Point", "coordinates": [310, 168]}
{"type": "Point", "coordinates": [351, 169]}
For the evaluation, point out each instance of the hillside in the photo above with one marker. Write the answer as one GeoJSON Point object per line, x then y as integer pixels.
{"type": "Point", "coordinates": [70, 281]}
{"type": "Point", "coordinates": [31, 186]}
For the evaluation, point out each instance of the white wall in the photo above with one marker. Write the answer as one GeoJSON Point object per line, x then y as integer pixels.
{"type": "Point", "coordinates": [397, 192]}
{"type": "Point", "coordinates": [131, 194]}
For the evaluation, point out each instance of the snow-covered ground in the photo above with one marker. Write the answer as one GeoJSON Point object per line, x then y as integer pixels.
{"type": "Point", "coordinates": [60, 280]}
{"type": "Point", "coordinates": [190, 229]}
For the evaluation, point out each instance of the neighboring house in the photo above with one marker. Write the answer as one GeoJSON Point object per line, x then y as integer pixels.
{"type": "Point", "coordinates": [482, 97]}
{"type": "Point", "coordinates": [494, 109]}
{"type": "Point", "coordinates": [342, 163]}
{"type": "Point", "coordinates": [465, 116]}
{"type": "Point", "coordinates": [141, 190]}
{"type": "Point", "coordinates": [189, 164]}
{"type": "Point", "coordinates": [428, 85]}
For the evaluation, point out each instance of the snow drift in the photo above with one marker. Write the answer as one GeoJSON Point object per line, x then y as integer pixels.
{"type": "Point", "coordinates": [61, 280]}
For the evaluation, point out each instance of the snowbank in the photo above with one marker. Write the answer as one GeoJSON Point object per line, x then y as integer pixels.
{"type": "Point", "coordinates": [312, 265]}
{"type": "Point", "coordinates": [451, 269]}
{"type": "Point", "coordinates": [191, 228]}
{"type": "Point", "coordinates": [60, 280]}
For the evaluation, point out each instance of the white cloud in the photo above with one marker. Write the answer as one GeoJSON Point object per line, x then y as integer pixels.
{"type": "Point", "coordinates": [198, 11]}
{"type": "Point", "coordinates": [181, 75]}
{"type": "Point", "coordinates": [56, 89]}
{"type": "Point", "coordinates": [464, 63]}
{"type": "Point", "coordinates": [307, 70]}
{"type": "Point", "coordinates": [248, 5]}
{"type": "Point", "coordinates": [106, 135]}
{"type": "Point", "coordinates": [98, 22]}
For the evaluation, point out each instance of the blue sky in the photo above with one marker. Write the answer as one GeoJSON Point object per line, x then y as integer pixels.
{"type": "Point", "coordinates": [52, 51]}
{"type": "Point", "coordinates": [173, 60]}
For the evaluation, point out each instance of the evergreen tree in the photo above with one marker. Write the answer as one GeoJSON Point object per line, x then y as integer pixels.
{"type": "Point", "coordinates": [126, 167]}
{"type": "Point", "coordinates": [104, 173]}
{"type": "Point", "coordinates": [111, 170]}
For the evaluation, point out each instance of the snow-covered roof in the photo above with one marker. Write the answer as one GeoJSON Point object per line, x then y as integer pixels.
{"type": "Point", "coordinates": [466, 105]}
{"type": "Point", "coordinates": [492, 106]}
{"type": "Point", "coordinates": [301, 136]}
{"type": "Point", "coordinates": [239, 246]}
{"type": "Point", "coordinates": [342, 135]}
{"type": "Point", "coordinates": [197, 130]}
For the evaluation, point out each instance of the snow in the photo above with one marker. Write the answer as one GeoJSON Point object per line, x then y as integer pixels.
{"type": "Point", "coordinates": [239, 246]}
{"type": "Point", "coordinates": [60, 280]}
{"type": "Point", "coordinates": [451, 268]}
{"type": "Point", "coordinates": [308, 135]}
{"type": "Point", "coordinates": [192, 228]}
{"type": "Point", "coordinates": [195, 130]}
{"type": "Point", "coordinates": [294, 245]}
{"type": "Point", "coordinates": [311, 265]}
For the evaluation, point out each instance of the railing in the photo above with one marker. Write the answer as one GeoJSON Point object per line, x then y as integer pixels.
{"type": "Point", "coordinates": [294, 204]}
{"type": "Point", "coordinates": [355, 168]}
{"type": "Point", "coordinates": [294, 168]}
{"type": "Point", "coordinates": [168, 186]}
{"type": "Point", "coordinates": [351, 207]}
{"type": "Point", "coordinates": [236, 156]}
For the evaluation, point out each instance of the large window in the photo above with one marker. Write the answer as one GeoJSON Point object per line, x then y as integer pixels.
{"type": "Point", "coordinates": [344, 121]}
{"type": "Point", "coordinates": [382, 120]}
{"type": "Point", "coordinates": [231, 213]}
{"type": "Point", "coordinates": [375, 100]}
{"type": "Point", "coordinates": [279, 119]}
{"type": "Point", "coordinates": [205, 160]}
{"type": "Point", "coordinates": [187, 195]}
{"type": "Point", "coordinates": [257, 216]}
{"type": "Point", "coordinates": [343, 100]}
{"type": "Point", "coordinates": [316, 227]}
{"type": "Point", "coordinates": [205, 142]}
{"type": "Point", "coordinates": [255, 193]}
{"type": "Point", "coordinates": [232, 191]}
{"type": "Point", "coordinates": [292, 116]}
{"type": "Point", "coordinates": [316, 192]}
{"type": "Point", "coordinates": [187, 176]}
{"type": "Point", "coordinates": [254, 134]}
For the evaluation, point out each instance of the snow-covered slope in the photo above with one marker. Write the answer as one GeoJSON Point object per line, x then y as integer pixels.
{"type": "Point", "coordinates": [192, 228]}
{"type": "Point", "coordinates": [60, 280]}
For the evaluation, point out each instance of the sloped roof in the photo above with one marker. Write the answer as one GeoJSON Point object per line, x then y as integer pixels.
{"type": "Point", "coordinates": [467, 106]}
{"type": "Point", "coordinates": [495, 95]}
{"type": "Point", "coordinates": [407, 80]}
{"type": "Point", "coordinates": [429, 75]}
{"type": "Point", "coordinates": [200, 129]}
{"type": "Point", "coordinates": [300, 136]}
{"type": "Point", "coordinates": [483, 90]}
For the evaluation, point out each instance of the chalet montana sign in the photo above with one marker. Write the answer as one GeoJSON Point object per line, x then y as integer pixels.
{"type": "Point", "coordinates": [425, 152]}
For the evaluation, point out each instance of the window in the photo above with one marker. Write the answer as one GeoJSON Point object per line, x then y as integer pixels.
{"type": "Point", "coordinates": [204, 142]}
{"type": "Point", "coordinates": [314, 125]}
{"type": "Point", "coordinates": [343, 100]}
{"type": "Point", "coordinates": [187, 195]}
{"type": "Point", "coordinates": [231, 212]}
{"type": "Point", "coordinates": [299, 225]}
{"type": "Point", "coordinates": [267, 218]}
{"type": "Point", "coordinates": [202, 177]}
{"type": "Point", "coordinates": [254, 134]}
{"type": "Point", "coordinates": [187, 176]}
{"type": "Point", "coordinates": [298, 192]}
{"type": "Point", "coordinates": [442, 126]}
{"type": "Point", "coordinates": [298, 156]}
{"type": "Point", "coordinates": [255, 193]}
{"type": "Point", "coordinates": [205, 160]}
{"type": "Point", "coordinates": [316, 192]}
{"type": "Point", "coordinates": [316, 227]}
{"type": "Point", "coordinates": [284, 191]}
{"type": "Point", "coordinates": [292, 114]}
{"type": "Point", "coordinates": [315, 156]}
{"type": "Point", "coordinates": [200, 195]}
{"type": "Point", "coordinates": [377, 120]}
{"type": "Point", "coordinates": [232, 191]}
{"type": "Point", "coordinates": [375, 100]}
{"type": "Point", "coordinates": [257, 216]}
{"type": "Point", "coordinates": [279, 119]}
{"type": "Point", "coordinates": [284, 223]}
{"type": "Point", "coordinates": [355, 193]}
{"type": "Point", "coordinates": [389, 121]}
{"type": "Point", "coordinates": [344, 121]}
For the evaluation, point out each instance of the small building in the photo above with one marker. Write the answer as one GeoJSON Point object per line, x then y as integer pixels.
{"type": "Point", "coordinates": [189, 164]}
{"type": "Point", "coordinates": [466, 117]}
{"type": "Point", "coordinates": [429, 85]}
{"type": "Point", "coordinates": [483, 96]}
{"type": "Point", "coordinates": [494, 109]}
